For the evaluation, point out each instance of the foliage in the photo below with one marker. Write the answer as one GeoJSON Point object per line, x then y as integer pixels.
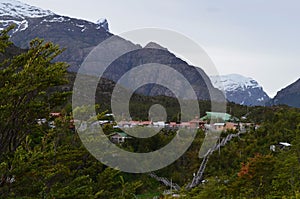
{"type": "Point", "coordinates": [24, 84]}
{"type": "Point", "coordinates": [246, 168]}
{"type": "Point", "coordinates": [37, 161]}
{"type": "Point", "coordinates": [60, 167]}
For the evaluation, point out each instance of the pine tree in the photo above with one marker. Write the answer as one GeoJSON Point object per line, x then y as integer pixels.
{"type": "Point", "coordinates": [25, 89]}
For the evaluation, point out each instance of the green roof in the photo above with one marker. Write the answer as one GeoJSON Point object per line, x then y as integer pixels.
{"type": "Point", "coordinates": [122, 134]}
{"type": "Point", "coordinates": [218, 116]}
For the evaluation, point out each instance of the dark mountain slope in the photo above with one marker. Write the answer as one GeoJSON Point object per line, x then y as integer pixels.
{"type": "Point", "coordinates": [289, 95]}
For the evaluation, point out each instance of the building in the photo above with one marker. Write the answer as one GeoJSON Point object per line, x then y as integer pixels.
{"type": "Point", "coordinates": [119, 137]}
{"type": "Point", "coordinates": [217, 117]}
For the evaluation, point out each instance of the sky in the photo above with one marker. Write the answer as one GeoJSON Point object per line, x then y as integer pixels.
{"type": "Point", "coordinates": [258, 39]}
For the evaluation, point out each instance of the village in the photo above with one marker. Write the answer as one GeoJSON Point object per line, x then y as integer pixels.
{"type": "Point", "coordinates": [215, 121]}
{"type": "Point", "coordinates": [212, 121]}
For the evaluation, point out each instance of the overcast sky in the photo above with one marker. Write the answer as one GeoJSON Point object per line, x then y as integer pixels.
{"type": "Point", "coordinates": [259, 39]}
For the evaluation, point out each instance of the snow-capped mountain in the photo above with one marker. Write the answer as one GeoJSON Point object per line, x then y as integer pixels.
{"type": "Point", "coordinates": [13, 8]}
{"type": "Point", "coordinates": [12, 11]}
{"type": "Point", "coordinates": [16, 12]}
{"type": "Point", "coordinates": [241, 90]}
{"type": "Point", "coordinates": [76, 35]}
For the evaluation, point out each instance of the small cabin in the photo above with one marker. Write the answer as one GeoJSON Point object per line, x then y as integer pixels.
{"type": "Point", "coordinates": [119, 137]}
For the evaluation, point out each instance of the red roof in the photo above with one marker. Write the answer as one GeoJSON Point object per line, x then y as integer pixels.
{"type": "Point", "coordinates": [55, 114]}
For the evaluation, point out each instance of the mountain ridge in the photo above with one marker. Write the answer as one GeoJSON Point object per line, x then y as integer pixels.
{"type": "Point", "coordinates": [80, 37]}
{"type": "Point", "coordinates": [290, 95]}
{"type": "Point", "coordinates": [13, 11]}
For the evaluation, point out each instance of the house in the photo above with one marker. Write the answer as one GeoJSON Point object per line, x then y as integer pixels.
{"type": "Point", "coordinates": [281, 145]}
{"type": "Point", "coordinates": [184, 125]}
{"type": "Point", "coordinates": [119, 137]}
{"type": "Point", "coordinates": [197, 123]}
{"type": "Point", "coordinates": [172, 125]}
{"type": "Point", "coordinates": [161, 124]}
{"type": "Point", "coordinates": [284, 144]}
{"type": "Point", "coordinates": [41, 121]}
{"type": "Point", "coordinates": [134, 123]}
{"type": "Point", "coordinates": [124, 124]}
{"type": "Point", "coordinates": [102, 122]}
{"type": "Point", "coordinates": [145, 123]}
{"type": "Point", "coordinates": [219, 126]}
{"type": "Point", "coordinates": [54, 114]}
{"type": "Point", "coordinates": [231, 126]}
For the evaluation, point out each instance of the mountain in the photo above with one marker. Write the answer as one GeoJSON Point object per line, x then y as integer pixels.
{"type": "Point", "coordinates": [79, 37]}
{"type": "Point", "coordinates": [16, 12]}
{"type": "Point", "coordinates": [12, 11]}
{"type": "Point", "coordinates": [241, 90]}
{"type": "Point", "coordinates": [289, 95]}
{"type": "Point", "coordinates": [154, 53]}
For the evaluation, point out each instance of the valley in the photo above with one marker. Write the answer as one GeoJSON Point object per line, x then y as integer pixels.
{"type": "Point", "coordinates": [231, 141]}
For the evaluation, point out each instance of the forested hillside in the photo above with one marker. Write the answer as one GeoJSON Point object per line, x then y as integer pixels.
{"type": "Point", "coordinates": [42, 161]}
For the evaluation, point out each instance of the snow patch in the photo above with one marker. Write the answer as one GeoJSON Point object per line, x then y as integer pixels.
{"type": "Point", "coordinates": [23, 25]}
{"type": "Point", "coordinates": [261, 99]}
{"type": "Point", "coordinates": [17, 9]}
{"type": "Point", "coordinates": [101, 21]}
{"type": "Point", "coordinates": [20, 25]}
{"type": "Point", "coordinates": [80, 26]}
{"type": "Point", "coordinates": [102, 24]}
{"type": "Point", "coordinates": [56, 19]}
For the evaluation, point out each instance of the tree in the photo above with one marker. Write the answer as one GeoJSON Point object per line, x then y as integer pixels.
{"type": "Point", "coordinates": [4, 42]}
{"type": "Point", "coordinates": [28, 89]}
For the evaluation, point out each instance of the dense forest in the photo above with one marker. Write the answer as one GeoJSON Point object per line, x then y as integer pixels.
{"type": "Point", "coordinates": [39, 161]}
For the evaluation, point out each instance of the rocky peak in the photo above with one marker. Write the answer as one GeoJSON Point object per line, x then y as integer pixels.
{"type": "Point", "coordinates": [103, 23]}
{"type": "Point", "coordinates": [155, 45]}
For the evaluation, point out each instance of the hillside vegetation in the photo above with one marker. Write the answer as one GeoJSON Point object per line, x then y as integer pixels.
{"type": "Point", "coordinates": [39, 161]}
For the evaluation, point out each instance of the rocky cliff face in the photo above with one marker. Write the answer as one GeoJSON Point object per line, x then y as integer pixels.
{"type": "Point", "coordinates": [153, 53]}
